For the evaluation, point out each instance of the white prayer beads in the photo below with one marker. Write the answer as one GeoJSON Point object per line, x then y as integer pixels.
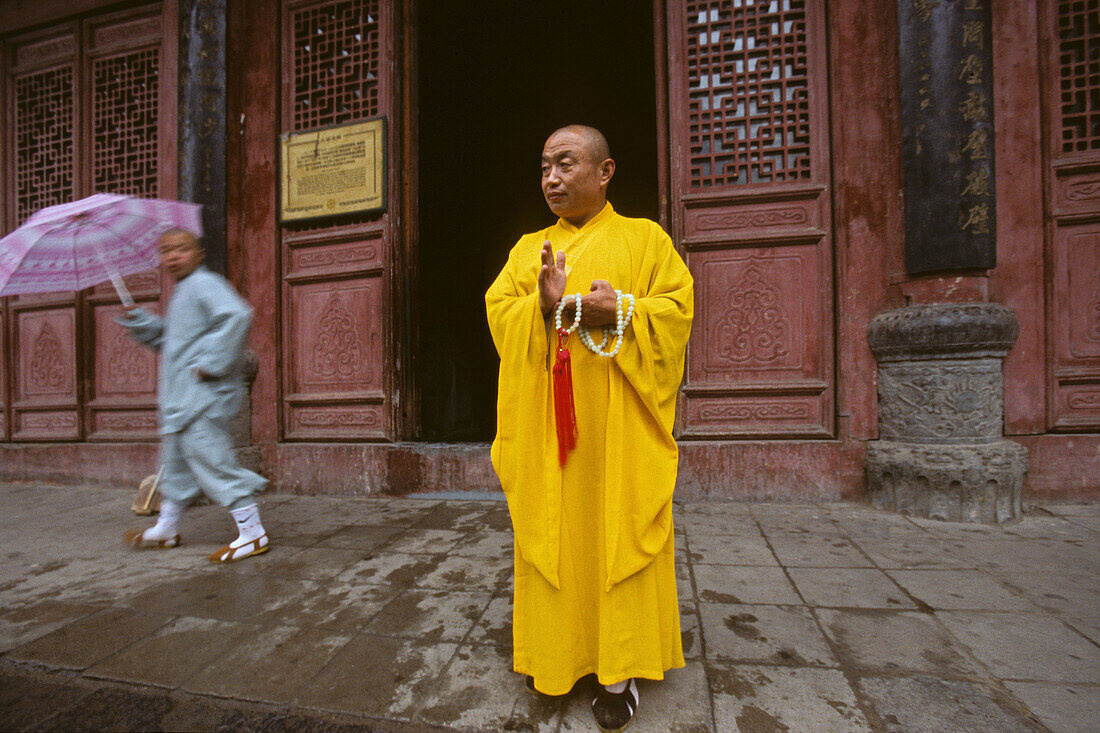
{"type": "Point", "coordinates": [576, 316]}
{"type": "Point", "coordinates": [622, 320]}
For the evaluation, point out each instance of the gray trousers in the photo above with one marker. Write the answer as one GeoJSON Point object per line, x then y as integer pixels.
{"type": "Point", "coordinates": [199, 459]}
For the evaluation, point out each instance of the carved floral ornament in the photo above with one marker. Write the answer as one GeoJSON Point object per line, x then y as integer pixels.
{"type": "Point", "coordinates": [763, 412]}
{"type": "Point", "coordinates": [753, 329]}
{"type": "Point", "coordinates": [127, 365]}
{"type": "Point", "coordinates": [47, 368]}
{"type": "Point", "coordinates": [328, 419]}
{"type": "Point", "coordinates": [747, 219]}
{"type": "Point", "coordinates": [1094, 313]}
{"type": "Point", "coordinates": [338, 351]}
{"type": "Point", "coordinates": [1083, 190]}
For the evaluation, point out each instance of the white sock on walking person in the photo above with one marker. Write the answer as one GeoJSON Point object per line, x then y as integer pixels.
{"type": "Point", "coordinates": [168, 521]}
{"type": "Point", "coordinates": [251, 537]}
{"type": "Point", "coordinates": [249, 527]}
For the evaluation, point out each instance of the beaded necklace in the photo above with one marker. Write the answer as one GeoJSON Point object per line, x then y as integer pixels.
{"type": "Point", "coordinates": [622, 320]}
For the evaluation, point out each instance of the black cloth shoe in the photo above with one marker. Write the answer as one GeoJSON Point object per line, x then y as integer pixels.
{"type": "Point", "coordinates": [529, 683]}
{"type": "Point", "coordinates": [613, 711]}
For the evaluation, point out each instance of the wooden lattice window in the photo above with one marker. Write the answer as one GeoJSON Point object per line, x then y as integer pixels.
{"type": "Point", "coordinates": [748, 92]}
{"type": "Point", "coordinates": [1079, 57]}
{"type": "Point", "coordinates": [43, 140]}
{"type": "Point", "coordinates": [336, 56]}
{"type": "Point", "coordinates": [124, 123]}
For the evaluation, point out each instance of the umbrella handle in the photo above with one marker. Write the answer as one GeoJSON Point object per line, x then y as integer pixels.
{"type": "Point", "coordinates": [116, 280]}
{"type": "Point", "coordinates": [120, 288]}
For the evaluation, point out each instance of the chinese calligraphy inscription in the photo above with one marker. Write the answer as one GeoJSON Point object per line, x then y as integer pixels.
{"type": "Point", "coordinates": [946, 69]}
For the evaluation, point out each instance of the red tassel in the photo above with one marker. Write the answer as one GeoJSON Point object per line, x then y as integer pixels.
{"type": "Point", "coordinates": [565, 414]}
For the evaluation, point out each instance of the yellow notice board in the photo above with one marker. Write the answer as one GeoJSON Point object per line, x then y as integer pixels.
{"type": "Point", "coordinates": [333, 170]}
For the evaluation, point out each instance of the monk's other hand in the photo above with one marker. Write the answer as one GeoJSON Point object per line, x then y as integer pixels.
{"type": "Point", "coordinates": [551, 277]}
{"type": "Point", "coordinates": [598, 307]}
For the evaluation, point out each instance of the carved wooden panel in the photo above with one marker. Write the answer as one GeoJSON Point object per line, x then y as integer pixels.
{"type": "Point", "coordinates": [754, 360]}
{"type": "Point", "coordinates": [1073, 151]}
{"type": "Point", "coordinates": [751, 210]}
{"type": "Point", "coordinates": [122, 403]}
{"type": "Point", "coordinates": [5, 430]}
{"type": "Point", "coordinates": [45, 399]}
{"type": "Point", "coordinates": [338, 344]}
{"type": "Point", "coordinates": [336, 364]}
{"type": "Point", "coordinates": [1076, 325]}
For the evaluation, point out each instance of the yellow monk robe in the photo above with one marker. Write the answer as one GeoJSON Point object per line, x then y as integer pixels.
{"type": "Point", "coordinates": [595, 579]}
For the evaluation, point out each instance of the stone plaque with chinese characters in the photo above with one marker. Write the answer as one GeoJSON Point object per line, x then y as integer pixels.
{"type": "Point", "coordinates": [946, 68]}
{"type": "Point", "coordinates": [333, 170]}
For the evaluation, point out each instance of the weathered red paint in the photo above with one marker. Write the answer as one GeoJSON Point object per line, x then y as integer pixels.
{"type": "Point", "coordinates": [866, 138]}
{"type": "Point", "coordinates": [251, 234]}
{"type": "Point", "coordinates": [1018, 279]}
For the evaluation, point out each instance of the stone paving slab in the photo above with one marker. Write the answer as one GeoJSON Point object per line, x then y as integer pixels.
{"type": "Point", "coordinates": [1063, 708]}
{"type": "Point", "coordinates": [1026, 646]}
{"type": "Point", "coordinates": [887, 642]}
{"type": "Point", "coordinates": [935, 705]}
{"type": "Point", "coordinates": [748, 698]}
{"type": "Point", "coordinates": [395, 614]}
{"type": "Point", "coordinates": [849, 588]}
{"type": "Point", "coordinates": [764, 634]}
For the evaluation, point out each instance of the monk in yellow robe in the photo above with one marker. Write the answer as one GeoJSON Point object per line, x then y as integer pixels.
{"type": "Point", "coordinates": [595, 579]}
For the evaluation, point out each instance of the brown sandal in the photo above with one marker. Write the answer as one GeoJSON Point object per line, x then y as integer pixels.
{"type": "Point", "coordinates": [225, 554]}
{"type": "Point", "coordinates": [135, 538]}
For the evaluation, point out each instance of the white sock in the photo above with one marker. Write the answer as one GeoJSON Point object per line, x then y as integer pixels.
{"type": "Point", "coordinates": [168, 521]}
{"type": "Point", "coordinates": [617, 687]}
{"type": "Point", "coordinates": [249, 526]}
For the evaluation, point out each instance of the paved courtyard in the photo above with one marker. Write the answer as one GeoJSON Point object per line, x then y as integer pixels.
{"type": "Point", "coordinates": [394, 614]}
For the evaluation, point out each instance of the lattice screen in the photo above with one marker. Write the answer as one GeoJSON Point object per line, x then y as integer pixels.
{"type": "Point", "coordinates": [748, 92]}
{"type": "Point", "coordinates": [336, 56]}
{"type": "Point", "coordinates": [1079, 52]}
{"type": "Point", "coordinates": [124, 123]}
{"type": "Point", "coordinates": [43, 140]}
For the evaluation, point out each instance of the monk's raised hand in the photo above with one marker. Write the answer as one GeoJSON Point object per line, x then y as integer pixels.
{"type": "Point", "coordinates": [551, 277]}
{"type": "Point", "coordinates": [598, 307]}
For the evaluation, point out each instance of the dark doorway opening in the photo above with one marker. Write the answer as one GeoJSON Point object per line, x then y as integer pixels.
{"type": "Point", "coordinates": [495, 79]}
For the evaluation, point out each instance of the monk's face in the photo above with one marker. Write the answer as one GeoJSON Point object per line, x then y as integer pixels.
{"type": "Point", "coordinates": [180, 254]}
{"type": "Point", "coordinates": [574, 182]}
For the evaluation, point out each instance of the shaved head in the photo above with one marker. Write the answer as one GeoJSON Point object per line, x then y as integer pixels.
{"type": "Point", "coordinates": [576, 168]}
{"type": "Point", "coordinates": [595, 144]}
{"type": "Point", "coordinates": [182, 235]}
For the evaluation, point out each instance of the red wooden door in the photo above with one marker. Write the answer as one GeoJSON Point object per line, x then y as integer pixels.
{"type": "Point", "coordinates": [84, 112]}
{"type": "Point", "coordinates": [1072, 81]}
{"type": "Point", "coordinates": [749, 179]}
{"type": "Point", "coordinates": [338, 338]}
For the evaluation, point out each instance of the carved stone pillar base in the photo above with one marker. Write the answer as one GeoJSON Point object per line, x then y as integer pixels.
{"type": "Point", "coordinates": [940, 391]}
{"type": "Point", "coordinates": [958, 483]}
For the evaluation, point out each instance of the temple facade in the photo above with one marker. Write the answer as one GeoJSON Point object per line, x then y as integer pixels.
{"type": "Point", "coordinates": [816, 163]}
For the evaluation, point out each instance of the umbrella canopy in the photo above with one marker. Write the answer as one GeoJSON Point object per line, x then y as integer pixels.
{"type": "Point", "coordinates": [74, 246]}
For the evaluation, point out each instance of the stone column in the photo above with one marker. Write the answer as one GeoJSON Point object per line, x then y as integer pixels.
{"type": "Point", "coordinates": [941, 452]}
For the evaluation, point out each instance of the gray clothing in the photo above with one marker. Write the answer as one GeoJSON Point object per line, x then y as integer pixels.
{"type": "Point", "coordinates": [200, 459]}
{"type": "Point", "coordinates": [205, 328]}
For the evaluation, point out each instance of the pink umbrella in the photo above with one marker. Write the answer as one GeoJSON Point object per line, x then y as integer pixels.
{"type": "Point", "coordinates": [77, 245]}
